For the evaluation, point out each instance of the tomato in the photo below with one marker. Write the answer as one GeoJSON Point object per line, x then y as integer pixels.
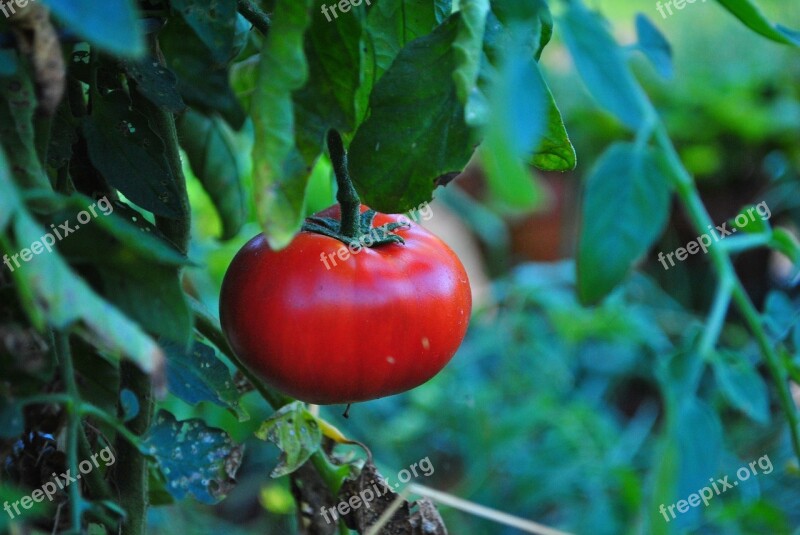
{"type": "Point", "coordinates": [325, 325]}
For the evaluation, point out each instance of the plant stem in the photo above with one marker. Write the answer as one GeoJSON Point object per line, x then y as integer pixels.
{"type": "Point", "coordinates": [64, 355]}
{"type": "Point", "coordinates": [346, 195]}
{"type": "Point", "coordinates": [254, 15]}
{"type": "Point", "coordinates": [132, 473]}
{"type": "Point", "coordinates": [720, 259]}
{"type": "Point", "coordinates": [716, 318]}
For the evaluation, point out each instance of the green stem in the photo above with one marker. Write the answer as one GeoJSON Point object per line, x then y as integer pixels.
{"type": "Point", "coordinates": [690, 197]}
{"type": "Point", "coordinates": [346, 195]}
{"type": "Point", "coordinates": [94, 479]}
{"type": "Point", "coordinates": [64, 355]}
{"type": "Point", "coordinates": [254, 15]}
{"type": "Point", "coordinates": [132, 472]}
{"type": "Point", "coordinates": [88, 409]}
{"type": "Point", "coordinates": [716, 318]}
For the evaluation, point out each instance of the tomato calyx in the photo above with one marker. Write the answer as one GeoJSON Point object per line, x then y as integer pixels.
{"type": "Point", "coordinates": [328, 226]}
{"type": "Point", "coordinates": [354, 226]}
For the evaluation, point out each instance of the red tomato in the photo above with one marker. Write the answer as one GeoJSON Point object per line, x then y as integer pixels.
{"type": "Point", "coordinates": [352, 327]}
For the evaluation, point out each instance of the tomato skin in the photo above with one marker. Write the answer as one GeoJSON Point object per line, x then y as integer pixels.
{"type": "Point", "coordinates": [378, 323]}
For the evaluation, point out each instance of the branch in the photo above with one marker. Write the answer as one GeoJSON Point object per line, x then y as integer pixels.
{"type": "Point", "coordinates": [254, 15]}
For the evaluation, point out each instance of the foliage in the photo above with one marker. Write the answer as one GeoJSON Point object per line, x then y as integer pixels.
{"type": "Point", "coordinates": [131, 118]}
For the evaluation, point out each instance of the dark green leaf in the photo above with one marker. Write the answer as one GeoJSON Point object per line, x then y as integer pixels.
{"type": "Point", "coordinates": [625, 207]}
{"type": "Point", "coordinates": [12, 422]}
{"type": "Point", "coordinates": [328, 99]}
{"type": "Point", "coordinates": [194, 458]}
{"type": "Point", "coordinates": [129, 155]}
{"type": "Point", "coordinates": [602, 65]}
{"type": "Point", "coordinates": [392, 24]}
{"type": "Point", "coordinates": [114, 28]}
{"type": "Point", "coordinates": [199, 375]}
{"type": "Point", "coordinates": [416, 130]}
{"type": "Point", "coordinates": [156, 83]}
{"type": "Point", "coordinates": [8, 62]}
{"type": "Point", "coordinates": [219, 158]}
{"type": "Point", "coordinates": [654, 46]}
{"type": "Point", "coordinates": [780, 314]}
{"type": "Point", "coordinates": [202, 82]}
{"type": "Point", "coordinates": [63, 135]}
{"type": "Point", "coordinates": [17, 109]}
{"type": "Point", "coordinates": [214, 23]}
{"type": "Point", "coordinates": [50, 288]}
{"type": "Point", "coordinates": [296, 433]}
{"type": "Point", "coordinates": [742, 385]}
{"type": "Point", "coordinates": [279, 173]}
{"type": "Point", "coordinates": [747, 12]}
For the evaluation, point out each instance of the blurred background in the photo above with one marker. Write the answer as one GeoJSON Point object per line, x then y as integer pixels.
{"type": "Point", "coordinates": [552, 411]}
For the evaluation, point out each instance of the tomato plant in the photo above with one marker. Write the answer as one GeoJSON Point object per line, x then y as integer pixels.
{"type": "Point", "coordinates": [143, 141]}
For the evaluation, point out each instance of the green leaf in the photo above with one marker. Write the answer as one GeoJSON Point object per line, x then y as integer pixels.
{"type": "Point", "coordinates": [749, 13]}
{"type": "Point", "coordinates": [129, 155]}
{"type": "Point", "coordinates": [219, 158]}
{"type": "Point", "coordinates": [17, 110]}
{"type": "Point", "coordinates": [625, 207]}
{"type": "Point", "coordinates": [555, 151]}
{"type": "Point", "coordinates": [8, 62]}
{"type": "Point", "coordinates": [213, 22]}
{"type": "Point", "coordinates": [442, 9]}
{"type": "Point", "coordinates": [194, 458]}
{"type": "Point", "coordinates": [296, 433]}
{"type": "Point", "coordinates": [785, 242]}
{"type": "Point", "coordinates": [392, 24]}
{"type": "Point", "coordinates": [199, 375]}
{"type": "Point", "coordinates": [654, 46]}
{"type": "Point", "coordinates": [9, 201]}
{"type": "Point", "coordinates": [701, 450]}
{"type": "Point", "coordinates": [51, 289]}
{"type": "Point", "coordinates": [114, 28]}
{"type": "Point", "coordinates": [533, 15]}
{"type": "Point", "coordinates": [742, 386]}
{"type": "Point", "coordinates": [279, 173]}
{"type": "Point", "coordinates": [203, 84]}
{"type": "Point", "coordinates": [468, 46]}
{"type": "Point", "coordinates": [156, 83]}
{"type": "Point", "coordinates": [601, 64]}
{"type": "Point", "coordinates": [516, 124]}
{"type": "Point", "coordinates": [12, 421]}
{"type": "Point", "coordinates": [416, 130]}
{"type": "Point", "coordinates": [328, 99]}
